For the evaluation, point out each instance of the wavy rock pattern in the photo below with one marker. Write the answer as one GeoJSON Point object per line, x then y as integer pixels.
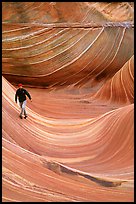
{"type": "Point", "coordinates": [64, 51]}
{"type": "Point", "coordinates": [119, 88]}
{"type": "Point", "coordinates": [77, 61]}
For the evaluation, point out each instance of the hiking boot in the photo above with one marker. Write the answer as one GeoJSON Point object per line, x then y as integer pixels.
{"type": "Point", "coordinates": [25, 116]}
{"type": "Point", "coordinates": [21, 116]}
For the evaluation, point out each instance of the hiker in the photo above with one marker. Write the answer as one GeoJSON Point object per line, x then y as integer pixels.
{"type": "Point", "coordinates": [21, 95]}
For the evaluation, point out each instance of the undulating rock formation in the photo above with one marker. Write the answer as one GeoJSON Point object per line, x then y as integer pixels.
{"type": "Point", "coordinates": [77, 61]}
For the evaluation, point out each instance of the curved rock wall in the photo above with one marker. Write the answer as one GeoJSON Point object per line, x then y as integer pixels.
{"type": "Point", "coordinates": [77, 61]}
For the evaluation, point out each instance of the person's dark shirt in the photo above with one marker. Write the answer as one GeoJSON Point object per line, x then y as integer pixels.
{"type": "Point", "coordinates": [21, 94]}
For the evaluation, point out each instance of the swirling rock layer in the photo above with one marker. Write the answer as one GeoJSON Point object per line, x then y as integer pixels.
{"type": "Point", "coordinates": [60, 49]}
{"type": "Point", "coordinates": [77, 61]}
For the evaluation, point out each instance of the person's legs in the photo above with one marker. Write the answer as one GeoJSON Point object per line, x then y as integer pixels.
{"type": "Point", "coordinates": [21, 103]}
{"type": "Point", "coordinates": [23, 108]}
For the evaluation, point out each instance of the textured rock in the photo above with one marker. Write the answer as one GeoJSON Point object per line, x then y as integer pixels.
{"type": "Point", "coordinates": [55, 46]}
{"type": "Point", "coordinates": [77, 61]}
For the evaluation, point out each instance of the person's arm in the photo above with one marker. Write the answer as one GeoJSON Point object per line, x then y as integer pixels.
{"type": "Point", "coordinates": [29, 96]}
{"type": "Point", "coordinates": [16, 97]}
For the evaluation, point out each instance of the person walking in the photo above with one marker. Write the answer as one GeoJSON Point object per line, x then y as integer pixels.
{"type": "Point", "coordinates": [21, 95]}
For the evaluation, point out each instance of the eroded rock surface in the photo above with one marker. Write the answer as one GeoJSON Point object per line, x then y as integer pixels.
{"type": "Point", "coordinates": [77, 61]}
